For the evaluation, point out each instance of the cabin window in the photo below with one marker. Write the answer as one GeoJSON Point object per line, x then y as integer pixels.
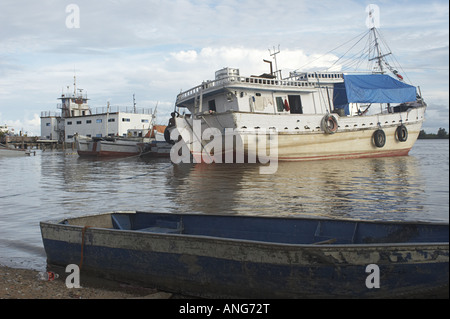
{"type": "Point", "coordinates": [144, 121]}
{"type": "Point", "coordinates": [98, 121]}
{"type": "Point", "coordinates": [124, 119]}
{"type": "Point", "coordinates": [69, 123]}
{"type": "Point", "coordinates": [47, 124]}
{"type": "Point", "coordinates": [78, 122]}
{"type": "Point", "coordinates": [212, 105]}
{"type": "Point", "coordinates": [111, 120]}
{"type": "Point", "coordinates": [280, 104]}
{"type": "Point", "coordinates": [88, 121]}
{"type": "Point", "coordinates": [295, 104]}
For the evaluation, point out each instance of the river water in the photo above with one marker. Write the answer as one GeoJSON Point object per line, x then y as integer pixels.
{"type": "Point", "coordinates": [57, 184]}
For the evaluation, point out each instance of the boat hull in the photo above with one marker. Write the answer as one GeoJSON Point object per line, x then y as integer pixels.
{"type": "Point", "coordinates": [302, 138]}
{"type": "Point", "coordinates": [11, 152]}
{"type": "Point", "coordinates": [159, 149]}
{"type": "Point", "coordinates": [211, 266]}
{"type": "Point", "coordinates": [107, 148]}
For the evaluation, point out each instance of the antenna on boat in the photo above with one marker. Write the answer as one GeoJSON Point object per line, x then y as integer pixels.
{"type": "Point", "coordinates": [134, 104]}
{"type": "Point", "coordinates": [274, 54]}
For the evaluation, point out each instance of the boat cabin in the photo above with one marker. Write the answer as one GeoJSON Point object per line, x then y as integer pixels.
{"type": "Point", "coordinates": [300, 93]}
{"type": "Point", "coordinates": [306, 93]}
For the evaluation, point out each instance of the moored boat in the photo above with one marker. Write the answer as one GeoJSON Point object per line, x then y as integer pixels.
{"type": "Point", "coordinates": [255, 256]}
{"type": "Point", "coordinates": [107, 147]}
{"type": "Point", "coordinates": [115, 146]}
{"type": "Point", "coordinates": [6, 151]}
{"type": "Point", "coordinates": [158, 147]}
{"type": "Point", "coordinates": [305, 116]}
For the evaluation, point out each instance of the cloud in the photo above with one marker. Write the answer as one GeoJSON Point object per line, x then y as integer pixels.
{"type": "Point", "coordinates": [30, 126]}
{"type": "Point", "coordinates": [155, 48]}
{"type": "Point", "coordinates": [185, 56]}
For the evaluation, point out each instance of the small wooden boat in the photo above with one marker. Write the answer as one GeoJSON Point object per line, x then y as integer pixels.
{"type": "Point", "coordinates": [117, 146]}
{"type": "Point", "coordinates": [254, 256]}
{"type": "Point", "coordinates": [157, 148]}
{"type": "Point", "coordinates": [108, 147]}
{"type": "Point", "coordinates": [5, 151]}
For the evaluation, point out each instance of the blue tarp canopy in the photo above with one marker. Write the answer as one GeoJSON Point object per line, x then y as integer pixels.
{"type": "Point", "coordinates": [372, 88]}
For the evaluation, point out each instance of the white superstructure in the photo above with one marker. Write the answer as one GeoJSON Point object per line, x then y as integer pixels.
{"type": "Point", "coordinates": [76, 117]}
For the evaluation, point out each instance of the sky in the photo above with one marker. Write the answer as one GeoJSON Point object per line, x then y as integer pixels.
{"type": "Point", "coordinates": [155, 49]}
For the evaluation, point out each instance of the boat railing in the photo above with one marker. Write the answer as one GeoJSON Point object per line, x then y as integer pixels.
{"type": "Point", "coordinates": [333, 77]}
{"type": "Point", "coordinates": [124, 109]}
{"type": "Point", "coordinates": [50, 114]}
{"type": "Point", "coordinates": [289, 82]}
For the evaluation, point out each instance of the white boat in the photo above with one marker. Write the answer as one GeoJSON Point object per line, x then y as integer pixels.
{"type": "Point", "coordinates": [107, 146]}
{"type": "Point", "coordinates": [115, 146]}
{"type": "Point", "coordinates": [310, 115]}
{"type": "Point", "coordinates": [5, 151]}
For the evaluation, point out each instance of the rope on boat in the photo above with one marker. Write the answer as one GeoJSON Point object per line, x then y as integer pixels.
{"type": "Point", "coordinates": [82, 245]}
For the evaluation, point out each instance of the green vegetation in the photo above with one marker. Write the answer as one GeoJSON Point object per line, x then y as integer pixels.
{"type": "Point", "coordinates": [441, 134]}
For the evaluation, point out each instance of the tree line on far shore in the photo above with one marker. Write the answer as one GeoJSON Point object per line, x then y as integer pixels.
{"type": "Point", "coordinates": [441, 134]}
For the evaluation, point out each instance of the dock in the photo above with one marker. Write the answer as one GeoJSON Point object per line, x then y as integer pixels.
{"type": "Point", "coordinates": [26, 142]}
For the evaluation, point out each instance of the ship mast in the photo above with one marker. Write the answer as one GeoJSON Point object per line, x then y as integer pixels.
{"type": "Point", "coordinates": [379, 56]}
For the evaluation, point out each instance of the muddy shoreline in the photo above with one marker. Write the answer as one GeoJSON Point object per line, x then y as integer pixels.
{"type": "Point", "coordinates": [18, 283]}
{"type": "Point", "coordinates": [24, 284]}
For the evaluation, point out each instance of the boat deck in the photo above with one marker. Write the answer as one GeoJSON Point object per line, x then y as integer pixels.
{"type": "Point", "coordinates": [276, 229]}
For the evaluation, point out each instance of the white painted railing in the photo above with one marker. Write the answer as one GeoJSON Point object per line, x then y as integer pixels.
{"type": "Point", "coordinates": [306, 82]}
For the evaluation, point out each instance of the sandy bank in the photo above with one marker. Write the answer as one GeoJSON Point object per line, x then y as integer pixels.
{"type": "Point", "coordinates": [24, 284]}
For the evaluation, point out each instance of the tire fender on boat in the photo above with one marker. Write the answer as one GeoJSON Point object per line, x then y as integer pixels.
{"type": "Point", "coordinates": [329, 124]}
{"type": "Point", "coordinates": [402, 133]}
{"type": "Point", "coordinates": [379, 138]}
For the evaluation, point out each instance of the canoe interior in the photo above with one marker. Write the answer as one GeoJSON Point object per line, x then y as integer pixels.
{"type": "Point", "coordinates": [270, 229]}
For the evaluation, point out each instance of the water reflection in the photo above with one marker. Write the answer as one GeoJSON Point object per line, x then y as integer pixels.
{"type": "Point", "coordinates": [209, 188]}
{"type": "Point", "coordinates": [382, 188]}
{"type": "Point", "coordinates": [363, 188]}
{"type": "Point", "coordinates": [56, 185]}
